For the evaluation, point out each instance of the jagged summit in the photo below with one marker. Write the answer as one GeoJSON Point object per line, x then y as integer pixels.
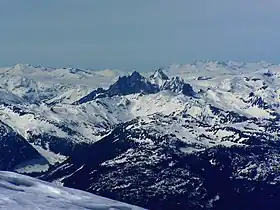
{"type": "Point", "coordinates": [159, 77]}
{"type": "Point", "coordinates": [134, 83]}
{"type": "Point", "coordinates": [135, 75]}
{"type": "Point", "coordinates": [177, 85]}
{"type": "Point", "coordinates": [159, 74]}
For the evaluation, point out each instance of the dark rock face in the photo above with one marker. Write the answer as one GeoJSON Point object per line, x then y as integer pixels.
{"type": "Point", "coordinates": [91, 96]}
{"type": "Point", "coordinates": [227, 116]}
{"type": "Point", "coordinates": [178, 85]}
{"type": "Point", "coordinates": [259, 102]}
{"type": "Point", "coordinates": [14, 149]}
{"type": "Point", "coordinates": [188, 90]}
{"type": "Point", "coordinates": [53, 143]}
{"type": "Point", "coordinates": [204, 78]}
{"type": "Point", "coordinates": [136, 83]}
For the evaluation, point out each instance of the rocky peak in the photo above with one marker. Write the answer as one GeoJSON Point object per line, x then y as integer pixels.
{"type": "Point", "coordinates": [134, 83]}
{"type": "Point", "coordinates": [159, 78]}
{"type": "Point", "coordinates": [177, 84]}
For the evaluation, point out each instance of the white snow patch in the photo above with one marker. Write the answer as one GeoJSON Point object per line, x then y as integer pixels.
{"type": "Point", "coordinates": [257, 112]}
{"type": "Point", "coordinates": [23, 192]}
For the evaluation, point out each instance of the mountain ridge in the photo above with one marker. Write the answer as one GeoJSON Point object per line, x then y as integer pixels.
{"type": "Point", "coordinates": [203, 130]}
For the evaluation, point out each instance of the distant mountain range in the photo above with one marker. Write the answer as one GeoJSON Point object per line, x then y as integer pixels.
{"type": "Point", "coordinates": [197, 136]}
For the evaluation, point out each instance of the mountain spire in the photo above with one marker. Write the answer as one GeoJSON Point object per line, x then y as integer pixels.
{"type": "Point", "coordinates": [159, 78]}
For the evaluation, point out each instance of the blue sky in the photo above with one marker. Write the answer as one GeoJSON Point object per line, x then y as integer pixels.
{"type": "Point", "coordinates": [141, 35]}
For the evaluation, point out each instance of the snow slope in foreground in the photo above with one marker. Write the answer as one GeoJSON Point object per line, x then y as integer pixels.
{"type": "Point", "coordinates": [22, 192]}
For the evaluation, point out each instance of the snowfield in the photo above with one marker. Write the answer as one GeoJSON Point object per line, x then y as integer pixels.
{"type": "Point", "coordinates": [52, 85]}
{"type": "Point", "coordinates": [19, 192]}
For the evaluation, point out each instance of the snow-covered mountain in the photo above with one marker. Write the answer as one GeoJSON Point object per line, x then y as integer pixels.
{"type": "Point", "coordinates": [56, 85]}
{"type": "Point", "coordinates": [21, 192]}
{"type": "Point", "coordinates": [183, 137]}
{"type": "Point", "coordinates": [159, 78]}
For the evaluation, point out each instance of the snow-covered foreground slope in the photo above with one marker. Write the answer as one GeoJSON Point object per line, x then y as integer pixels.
{"type": "Point", "coordinates": [19, 192]}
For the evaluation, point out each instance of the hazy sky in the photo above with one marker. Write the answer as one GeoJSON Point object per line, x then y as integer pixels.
{"type": "Point", "coordinates": [141, 35]}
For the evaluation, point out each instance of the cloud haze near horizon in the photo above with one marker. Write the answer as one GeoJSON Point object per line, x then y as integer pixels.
{"type": "Point", "coordinates": [138, 35]}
